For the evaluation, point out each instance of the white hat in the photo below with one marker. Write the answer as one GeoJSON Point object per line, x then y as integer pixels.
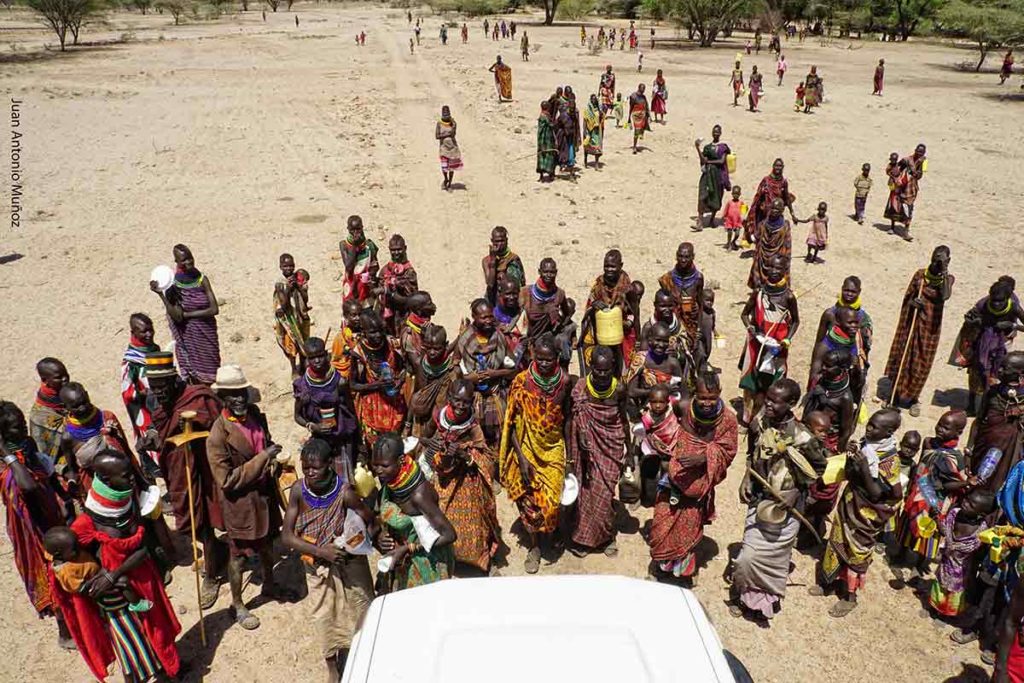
{"type": "Point", "coordinates": [230, 377]}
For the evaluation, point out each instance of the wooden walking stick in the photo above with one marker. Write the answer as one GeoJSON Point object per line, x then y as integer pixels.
{"type": "Point", "coordinates": [906, 347]}
{"type": "Point", "coordinates": [778, 497]}
{"type": "Point", "coordinates": [184, 439]}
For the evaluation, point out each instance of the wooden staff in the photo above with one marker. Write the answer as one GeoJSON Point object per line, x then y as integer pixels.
{"type": "Point", "coordinates": [184, 439]}
{"type": "Point", "coordinates": [906, 347]}
{"type": "Point", "coordinates": [778, 496]}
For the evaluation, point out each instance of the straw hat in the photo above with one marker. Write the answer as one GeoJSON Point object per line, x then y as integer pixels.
{"type": "Point", "coordinates": [771, 512]}
{"type": "Point", "coordinates": [230, 377]}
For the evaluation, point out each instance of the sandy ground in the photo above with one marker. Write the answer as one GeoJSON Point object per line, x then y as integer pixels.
{"type": "Point", "coordinates": [245, 139]}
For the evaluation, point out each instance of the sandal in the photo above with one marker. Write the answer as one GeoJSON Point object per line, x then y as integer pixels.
{"type": "Point", "coordinates": [208, 594]}
{"type": "Point", "coordinates": [816, 590]}
{"type": "Point", "coordinates": [532, 564]}
{"type": "Point", "coordinates": [735, 610]}
{"type": "Point", "coordinates": [579, 551]}
{"type": "Point", "coordinates": [962, 637]}
{"type": "Point", "coordinates": [611, 550]}
{"type": "Point", "coordinates": [246, 619]}
{"type": "Point", "coordinates": [915, 410]}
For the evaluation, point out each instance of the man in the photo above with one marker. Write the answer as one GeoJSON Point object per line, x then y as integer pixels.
{"type": "Point", "coordinates": [532, 453]}
{"type": "Point", "coordinates": [46, 417]}
{"type": "Point", "coordinates": [359, 256]}
{"type": "Point", "coordinates": [612, 289]}
{"type": "Point", "coordinates": [243, 462]}
{"type": "Point", "coordinates": [291, 317]}
{"type": "Point", "coordinates": [501, 264]}
{"type": "Point", "coordinates": [685, 284]}
{"type": "Point", "coordinates": [782, 452]}
{"type": "Point", "coordinates": [485, 360]}
{"type": "Point", "coordinates": [1000, 423]}
{"type": "Point", "coordinates": [463, 467]}
{"type": "Point", "coordinates": [549, 310]}
{"type": "Point", "coordinates": [397, 282]}
{"type": "Point", "coordinates": [524, 47]}
{"type": "Point", "coordinates": [598, 435]}
{"type": "Point", "coordinates": [639, 115]}
{"type": "Point", "coordinates": [606, 89]}
{"type": "Point", "coordinates": [168, 399]}
{"type": "Point", "coordinates": [134, 385]}
{"type": "Point", "coordinates": [421, 309]}
{"type": "Point", "coordinates": [870, 499]}
{"type": "Point", "coordinates": [910, 357]}
{"type": "Point", "coordinates": [706, 445]}
{"type": "Point", "coordinates": [340, 585]}
{"type": "Point", "coordinates": [323, 406]}
{"type": "Point", "coordinates": [772, 318]}
{"type": "Point", "coordinates": [843, 336]}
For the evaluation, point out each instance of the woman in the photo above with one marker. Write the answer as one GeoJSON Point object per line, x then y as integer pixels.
{"type": "Point", "coordinates": [378, 374]}
{"type": "Point", "coordinates": [32, 508]}
{"type": "Point", "coordinates": [547, 149]}
{"type": "Point", "coordinates": [340, 585]}
{"type": "Point", "coordinates": [99, 620]}
{"type": "Point", "coordinates": [417, 536]}
{"type": "Point", "coordinates": [192, 310]}
{"type": "Point", "coordinates": [593, 128]}
{"type": "Point", "coordinates": [464, 476]}
{"type": "Point", "coordinates": [910, 358]}
{"type": "Point", "coordinates": [773, 186]}
{"type": "Point", "coordinates": [606, 89]}
{"type": "Point", "coordinates": [1007, 69]}
{"type": "Point", "coordinates": [451, 157]}
{"type": "Point", "coordinates": [774, 237]}
{"type": "Point", "coordinates": [502, 79]}
{"type": "Point", "coordinates": [987, 332]}
{"type": "Point", "coordinates": [659, 97]}
{"type": "Point", "coordinates": [714, 177]}
{"type": "Point", "coordinates": [754, 88]}
{"type": "Point", "coordinates": [707, 445]}
{"type": "Point", "coordinates": [639, 115]}
{"type": "Point", "coordinates": [904, 178]}
{"type": "Point", "coordinates": [812, 96]}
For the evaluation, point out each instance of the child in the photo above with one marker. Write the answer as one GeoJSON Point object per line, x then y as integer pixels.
{"type": "Point", "coordinates": [800, 92]}
{"type": "Point", "coordinates": [861, 186]}
{"type": "Point", "coordinates": [820, 424]}
{"type": "Point", "coordinates": [639, 61]}
{"type": "Point", "coordinates": [346, 338]}
{"type": "Point", "coordinates": [302, 285]}
{"type": "Point", "coordinates": [619, 113]}
{"type": "Point", "coordinates": [73, 568]}
{"type": "Point", "coordinates": [733, 219]}
{"type": "Point", "coordinates": [657, 434]}
{"type": "Point", "coordinates": [706, 324]}
{"type": "Point", "coordinates": [412, 47]}
{"type": "Point", "coordinates": [960, 529]}
{"type": "Point", "coordinates": [910, 446]}
{"type": "Point", "coordinates": [817, 236]}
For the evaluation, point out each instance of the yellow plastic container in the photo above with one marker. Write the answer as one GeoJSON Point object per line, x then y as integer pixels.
{"type": "Point", "coordinates": [926, 526]}
{"type": "Point", "coordinates": [608, 324]}
{"type": "Point", "coordinates": [835, 469]}
{"type": "Point", "coordinates": [730, 162]}
{"type": "Point", "coordinates": [364, 482]}
{"type": "Point", "coordinates": [924, 166]}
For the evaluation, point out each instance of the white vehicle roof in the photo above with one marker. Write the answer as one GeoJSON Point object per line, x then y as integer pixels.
{"type": "Point", "coordinates": [547, 629]}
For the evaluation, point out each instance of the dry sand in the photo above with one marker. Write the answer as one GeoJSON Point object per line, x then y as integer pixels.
{"type": "Point", "coordinates": [244, 139]}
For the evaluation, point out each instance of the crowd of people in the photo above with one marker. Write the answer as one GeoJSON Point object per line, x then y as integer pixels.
{"type": "Point", "coordinates": [414, 430]}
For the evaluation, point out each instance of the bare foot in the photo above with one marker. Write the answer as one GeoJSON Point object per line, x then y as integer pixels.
{"type": "Point", "coordinates": [66, 644]}
{"type": "Point", "coordinates": [611, 550]}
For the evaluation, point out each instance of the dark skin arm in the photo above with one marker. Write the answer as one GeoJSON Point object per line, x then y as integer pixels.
{"type": "Point", "coordinates": [425, 500]}
{"type": "Point", "coordinates": [348, 257]}
{"type": "Point", "coordinates": [370, 387]}
{"type": "Point", "coordinates": [747, 314]}
{"type": "Point", "coordinates": [105, 580]}
{"type": "Point", "coordinates": [622, 396]}
{"type": "Point", "coordinates": [847, 423]}
{"type": "Point", "coordinates": [817, 360]}
{"type": "Point", "coordinates": [567, 411]}
{"type": "Point", "coordinates": [1008, 632]}
{"type": "Point", "coordinates": [794, 314]}
{"type": "Point", "coordinates": [22, 476]}
{"type": "Point", "coordinates": [859, 463]}
{"type": "Point", "coordinates": [826, 322]}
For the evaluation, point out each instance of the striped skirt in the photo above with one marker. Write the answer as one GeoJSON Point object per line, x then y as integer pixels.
{"type": "Point", "coordinates": [134, 653]}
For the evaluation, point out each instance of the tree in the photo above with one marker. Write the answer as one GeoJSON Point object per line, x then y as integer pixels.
{"type": "Point", "coordinates": [909, 13]}
{"type": "Point", "coordinates": [988, 25]}
{"type": "Point", "coordinates": [65, 16]}
{"type": "Point", "coordinates": [273, 4]}
{"type": "Point", "coordinates": [142, 5]}
{"type": "Point", "coordinates": [705, 19]}
{"type": "Point", "coordinates": [176, 8]}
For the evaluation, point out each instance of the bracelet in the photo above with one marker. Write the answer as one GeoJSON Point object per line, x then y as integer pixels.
{"type": "Point", "coordinates": [10, 459]}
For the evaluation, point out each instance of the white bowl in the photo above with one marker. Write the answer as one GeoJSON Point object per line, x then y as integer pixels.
{"type": "Point", "coordinates": [163, 276]}
{"type": "Point", "coordinates": [570, 490]}
{"type": "Point", "coordinates": [410, 443]}
{"type": "Point", "coordinates": [149, 501]}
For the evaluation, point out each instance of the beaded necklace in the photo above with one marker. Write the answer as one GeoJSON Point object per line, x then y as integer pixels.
{"type": "Point", "coordinates": [602, 395]}
{"type": "Point", "coordinates": [319, 502]}
{"type": "Point", "coordinates": [545, 384]}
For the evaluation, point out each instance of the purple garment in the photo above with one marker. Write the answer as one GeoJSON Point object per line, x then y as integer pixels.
{"type": "Point", "coordinates": [956, 553]}
{"type": "Point", "coordinates": [991, 345]}
{"type": "Point", "coordinates": [196, 345]}
{"type": "Point", "coordinates": [316, 397]}
{"type": "Point", "coordinates": [723, 170]}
